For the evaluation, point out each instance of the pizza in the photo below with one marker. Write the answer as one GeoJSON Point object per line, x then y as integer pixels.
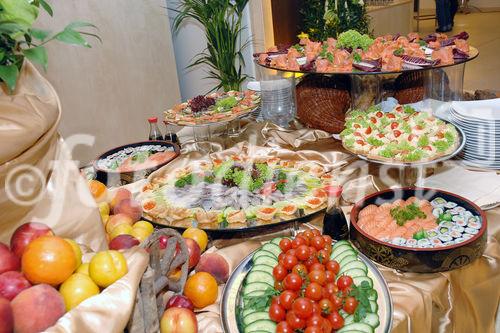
{"type": "Point", "coordinates": [401, 135]}
{"type": "Point", "coordinates": [213, 108]}
{"type": "Point", "coordinates": [236, 192]}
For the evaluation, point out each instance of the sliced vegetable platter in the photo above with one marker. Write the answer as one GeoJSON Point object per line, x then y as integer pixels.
{"type": "Point", "coordinates": [355, 298]}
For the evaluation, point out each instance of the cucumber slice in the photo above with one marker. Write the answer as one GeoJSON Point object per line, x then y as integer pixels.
{"type": "Point", "coordinates": [269, 261]}
{"type": "Point", "coordinates": [261, 253]}
{"type": "Point", "coordinates": [373, 307]}
{"type": "Point", "coordinates": [250, 287]}
{"type": "Point", "coordinates": [348, 320]}
{"type": "Point", "coordinates": [347, 260]}
{"type": "Point", "coordinates": [339, 250]}
{"type": "Point", "coordinates": [263, 268]}
{"type": "Point", "coordinates": [357, 280]}
{"type": "Point", "coordinates": [247, 320]}
{"type": "Point", "coordinates": [345, 254]}
{"type": "Point", "coordinates": [353, 264]}
{"type": "Point", "coordinates": [277, 240]}
{"type": "Point", "coordinates": [372, 295]}
{"type": "Point", "coordinates": [248, 311]}
{"type": "Point", "coordinates": [359, 327]}
{"type": "Point", "coordinates": [260, 325]}
{"type": "Point", "coordinates": [273, 248]}
{"type": "Point", "coordinates": [339, 243]}
{"type": "Point", "coordinates": [259, 276]}
{"type": "Point", "coordinates": [372, 320]}
{"type": "Point", "coordinates": [343, 313]}
{"type": "Point", "coordinates": [355, 272]}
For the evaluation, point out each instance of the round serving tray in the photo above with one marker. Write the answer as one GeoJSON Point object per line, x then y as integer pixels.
{"type": "Point", "coordinates": [116, 178]}
{"type": "Point", "coordinates": [461, 145]}
{"type": "Point", "coordinates": [231, 296]}
{"type": "Point", "coordinates": [222, 122]}
{"type": "Point", "coordinates": [473, 53]}
{"type": "Point", "coordinates": [413, 259]}
{"type": "Point", "coordinates": [250, 230]}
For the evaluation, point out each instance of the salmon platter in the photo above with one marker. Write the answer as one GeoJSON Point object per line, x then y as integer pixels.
{"type": "Point", "coordinates": [308, 284]}
{"type": "Point", "coordinates": [401, 135]}
{"type": "Point", "coordinates": [213, 108]}
{"type": "Point", "coordinates": [353, 52]}
{"type": "Point", "coordinates": [236, 192]}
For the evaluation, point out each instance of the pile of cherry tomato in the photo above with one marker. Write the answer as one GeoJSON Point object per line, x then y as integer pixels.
{"type": "Point", "coordinates": [310, 295]}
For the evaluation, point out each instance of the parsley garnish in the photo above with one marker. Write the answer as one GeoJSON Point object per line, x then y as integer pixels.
{"type": "Point", "coordinates": [399, 51]}
{"type": "Point", "coordinates": [361, 293]}
{"type": "Point", "coordinates": [356, 57]}
{"type": "Point", "coordinates": [261, 302]}
{"type": "Point", "coordinates": [405, 214]}
{"type": "Point", "coordinates": [329, 56]}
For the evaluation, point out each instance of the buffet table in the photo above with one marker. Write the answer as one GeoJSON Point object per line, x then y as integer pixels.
{"type": "Point", "coordinates": [463, 300]}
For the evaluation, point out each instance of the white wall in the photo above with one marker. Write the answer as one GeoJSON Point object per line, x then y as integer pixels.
{"type": "Point", "coordinates": [188, 41]}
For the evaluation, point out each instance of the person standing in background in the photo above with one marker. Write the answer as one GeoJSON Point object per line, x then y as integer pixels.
{"type": "Point", "coordinates": [453, 11]}
{"type": "Point", "coordinates": [443, 13]}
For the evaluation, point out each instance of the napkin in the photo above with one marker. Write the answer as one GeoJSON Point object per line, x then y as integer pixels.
{"type": "Point", "coordinates": [481, 187]}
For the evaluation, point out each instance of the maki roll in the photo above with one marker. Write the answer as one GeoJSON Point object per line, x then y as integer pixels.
{"type": "Point", "coordinates": [445, 238]}
{"type": "Point", "coordinates": [458, 228]}
{"type": "Point", "coordinates": [432, 233]}
{"type": "Point", "coordinates": [438, 202]}
{"type": "Point", "coordinates": [446, 224]}
{"type": "Point", "coordinates": [411, 242]}
{"type": "Point", "coordinates": [455, 234]}
{"type": "Point", "coordinates": [437, 211]}
{"type": "Point", "coordinates": [435, 242]}
{"type": "Point", "coordinates": [398, 241]}
{"type": "Point", "coordinates": [444, 230]}
{"type": "Point", "coordinates": [450, 204]}
{"type": "Point", "coordinates": [473, 222]}
{"type": "Point", "coordinates": [471, 231]}
{"type": "Point", "coordinates": [423, 243]}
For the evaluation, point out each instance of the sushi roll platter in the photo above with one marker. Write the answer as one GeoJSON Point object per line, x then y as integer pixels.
{"type": "Point", "coordinates": [419, 229]}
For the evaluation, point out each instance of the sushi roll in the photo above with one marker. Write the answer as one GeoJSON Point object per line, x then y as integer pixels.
{"type": "Point", "coordinates": [460, 209]}
{"type": "Point", "coordinates": [398, 241]}
{"type": "Point", "coordinates": [467, 236]}
{"type": "Point", "coordinates": [432, 233]}
{"type": "Point", "coordinates": [473, 222]}
{"type": "Point", "coordinates": [437, 211]}
{"type": "Point", "coordinates": [458, 218]}
{"type": "Point", "coordinates": [460, 240]}
{"type": "Point", "coordinates": [471, 231]}
{"type": "Point", "coordinates": [435, 242]}
{"type": "Point", "coordinates": [424, 243]}
{"type": "Point", "coordinates": [455, 234]}
{"type": "Point", "coordinates": [450, 204]}
{"type": "Point", "coordinates": [411, 242]}
{"type": "Point", "coordinates": [458, 228]}
{"type": "Point", "coordinates": [445, 238]}
{"type": "Point", "coordinates": [446, 224]}
{"type": "Point", "coordinates": [438, 202]}
{"type": "Point", "coordinates": [444, 230]}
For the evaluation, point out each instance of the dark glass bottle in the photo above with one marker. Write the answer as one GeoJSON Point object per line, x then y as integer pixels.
{"type": "Point", "coordinates": [170, 135]}
{"type": "Point", "coordinates": [334, 222]}
{"type": "Point", "coordinates": [154, 131]}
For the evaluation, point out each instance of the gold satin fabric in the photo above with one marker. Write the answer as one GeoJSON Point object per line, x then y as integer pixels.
{"type": "Point", "coordinates": [463, 300]}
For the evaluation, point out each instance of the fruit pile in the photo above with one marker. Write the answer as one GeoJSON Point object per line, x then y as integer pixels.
{"type": "Point", "coordinates": [42, 276]}
{"type": "Point", "coordinates": [123, 227]}
{"type": "Point", "coordinates": [307, 285]}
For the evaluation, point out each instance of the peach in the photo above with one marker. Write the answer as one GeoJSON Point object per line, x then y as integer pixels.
{"type": "Point", "coordinates": [123, 242]}
{"type": "Point", "coordinates": [6, 316]}
{"type": "Point", "coordinates": [129, 207]}
{"type": "Point", "coordinates": [178, 320]}
{"type": "Point", "coordinates": [216, 265]}
{"type": "Point", "coordinates": [121, 194]}
{"type": "Point", "coordinates": [12, 283]}
{"type": "Point", "coordinates": [116, 220]}
{"type": "Point", "coordinates": [27, 233]}
{"type": "Point", "coordinates": [193, 251]}
{"type": "Point", "coordinates": [8, 260]}
{"type": "Point", "coordinates": [37, 308]}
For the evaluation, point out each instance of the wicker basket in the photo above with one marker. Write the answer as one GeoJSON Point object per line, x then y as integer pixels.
{"type": "Point", "coordinates": [409, 87]}
{"type": "Point", "coordinates": [322, 101]}
{"type": "Point", "coordinates": [150, 304]}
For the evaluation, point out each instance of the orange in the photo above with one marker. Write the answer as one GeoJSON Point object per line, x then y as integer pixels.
{"type": "Point", "coordinates": [98, 190]}
{"type": "Point", "coordinates": [48, 259]}
{"type": "Point", "coordinates": [77, 288]}
{"type": "Point", "coordinates": [198, 235]}
{"type": "Point", "coordinates": [201, 288]}
{"type": "Point", "coordinates": [106, 267]}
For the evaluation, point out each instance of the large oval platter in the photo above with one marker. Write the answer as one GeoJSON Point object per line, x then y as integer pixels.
{"type": "Point", "coordinates": [233, 311]}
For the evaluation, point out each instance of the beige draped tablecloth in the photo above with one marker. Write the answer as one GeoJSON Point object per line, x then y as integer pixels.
{"type": "Point", "coordinates": [463, 300]}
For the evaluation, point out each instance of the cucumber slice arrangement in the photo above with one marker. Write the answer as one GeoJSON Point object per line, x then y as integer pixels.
{"type": "Point", "coordinates": [260, 279]}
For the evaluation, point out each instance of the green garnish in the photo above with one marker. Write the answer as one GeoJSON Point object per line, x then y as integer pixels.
{"type": "Point", "coordinates": [186, 180]}
{"type": "Point", "coordinates": [375, 142]}
{"type": "Point", "coordinates": [141, 156]}
{"type": "Point", "coordinates": [415, 155]}
{"type": "Point", "coordinates": [226, 103]}
{"type": "Point", "coordinates": [441, 145]}
{"type": "Point", "coordinates": [356, 57]}
{"type": "Point", "coordinates": [354, 40]}
{"type": "Point", "coordinates": [324, 50]}
{"type": "Point", "coordinates": [405, 214]}
{"type": "Point", "coordinates": [330, 57]}
{"type": "Point", "coordinates": [406, 128]}
{"type": "Point", "coordinates": [349, 143]}
{"type": "Point", "coordinates": [361, 293]}
{"type": "Point", "coordinates": [422, 43]}
{"type": "Point", "coordinates": [399, 51]}
{"type": "Point", "coordinates": [298, 47]}
{"type": "Point", "coordinates": [261, 302]}
{"type": "Point", "coordinates": [449, 137]}
{"type": "Point", "coordinates": [421, 234]}
{"type": "Point", "coordinates": [405, 145]}
{"type": "Point", "coordinates": [408, 109]}
{"type": "Point", "coordinates": [445, 217]}
{"type": "Point", "coordinates": [387, 152]}
{"type": "Point", "coordinates": [423, 141]}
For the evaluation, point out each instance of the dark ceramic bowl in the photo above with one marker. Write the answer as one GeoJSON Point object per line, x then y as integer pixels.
{"type": "Point", "coordinates": [116, 178]}
{"type": "Point", "coordinates": [418, 259]}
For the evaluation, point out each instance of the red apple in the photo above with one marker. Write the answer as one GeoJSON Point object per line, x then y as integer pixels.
{"type": "Point", "coordinates": [8, 260]}
{"type": "Point", "coordinates": [12, 283]}
{"type": "Point", "coordinates": [178, 320]}
{"type": "Point", "coordinates": [6, 316]}
{"type": "Point", "coordinates": [180, 301]}
{"type": "Point", "coordinates": [122, 242]}
{"type": "Point", "coordinates": [194, 252]}
{"type": "Point", "coordinates": [27, 233]}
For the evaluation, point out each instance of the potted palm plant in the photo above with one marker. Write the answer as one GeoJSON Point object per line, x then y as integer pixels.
{"type": "Point", "coordinates": [222, 21]}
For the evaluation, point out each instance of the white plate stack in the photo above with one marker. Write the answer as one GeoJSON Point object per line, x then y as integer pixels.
{"type": "Point", "coordinates": [480, 120]}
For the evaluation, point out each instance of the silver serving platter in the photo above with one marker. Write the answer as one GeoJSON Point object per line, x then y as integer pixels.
{"type": "Point", "coordinates": [231, 299]}
{"type": "Point", "coordinates": [247, 113]}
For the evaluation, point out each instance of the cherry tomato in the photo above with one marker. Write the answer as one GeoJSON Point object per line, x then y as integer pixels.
{"type": "Point", "coordinates": [313, 329]}
{"type": "Point", "coordinates": [285, 244]}
{"type": "Point", "coordinates": [291, 252]}
{"type": "Point", "coordinates": [429, 148]}
{"type": "Point", "coordinates": [329, 276]}
{"type": "Point", "coordinates": [302, 307]}
{"type": "Point", "coordinates": [302, 252]}
{"type": "Point", "coordinates": [323, 256]}
{"type": "Point", "coordinates": [298, 241]}
{"type": "Point", "coordinates": [300, 269]}
{"type": "Point", "coordinates": [317, 276]}
{"type": "Point", "coordinates": [373, 120]}
{"type": "Point", "coordinates": [357, 134]}
{"type": "Point", "coordinates": [281, 256]}
{"type": "Point", "coordinates": [308, 234]}
{"type": "Point", "coordinates": [391, 116]}
{"type": "Point", "coordinates": [368, 130]}
{"type": "Point", "coordinates": [333, 266]}
{"type": "Point", "coordinates": [326, 306]}
{"type": "Point", "coordinates": [394, 125]}
{"type": "Point", "coordinates": [361, 142]}
{"type": "Point", "coordinates": [381, 135]}
{"type": "Point", "coordinates": [336, 320]}
{"type": "Point", "coordinates": [275, 300]}
{"type": "Point", "coordinates": [316, 232]}
{"type": "Point", "coordinates": [357, 126]}
{"type": "Point", "coordinates": [344, 282]}
{"type": "Point", "coordinates": [312, 251]}
{"type": "Point", "coordinates": [310, 261]}
{"type": "Point", "coordinates": [286, 299]}
{"type": "Point", "coordinates": [316, 308]}
{"type": "Point", "coordinates": [294, 321]}
{"type": "Point", "coordinates": [313, 291]}
{"type": "Point", "coordinates": [283, 327]}
{"type": "Point", "coordinates": [397, 133]}
{"type": "Point", "coordinates": [277, 313]}
{"type": "Point", "coordinates": [327, 239]}
{"type": "Point", "coordinates": [318, 242]}
{"type": "Point", "coordinates": [328, 248]}
{"type": "Point", "coordinates": [279, 272]}
{"type": "Point", "coordinates": [329, 290]}
{"type": "Point", "coordinates": [315, 320]}
{"type": "Point", "coordinates": [293, 281]}
{"type": "Point", "coordinates": [350, 305]}
{"type": "Point", "coordinates": [278, 285]}
{"type": "Point", "coordinates": [337, 301]}
{"type": "Point", "coordinates": [317, 267]}
{"type": "Point", "coordinates": [327, 326]}
{"type": "Point", "coordinates": [379, 114]}
{"type": "Point", "coordinates": [290, 261]}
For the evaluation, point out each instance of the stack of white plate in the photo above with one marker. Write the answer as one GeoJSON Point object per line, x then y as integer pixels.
{"type": "Point", "coordinates": [480, 120]}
